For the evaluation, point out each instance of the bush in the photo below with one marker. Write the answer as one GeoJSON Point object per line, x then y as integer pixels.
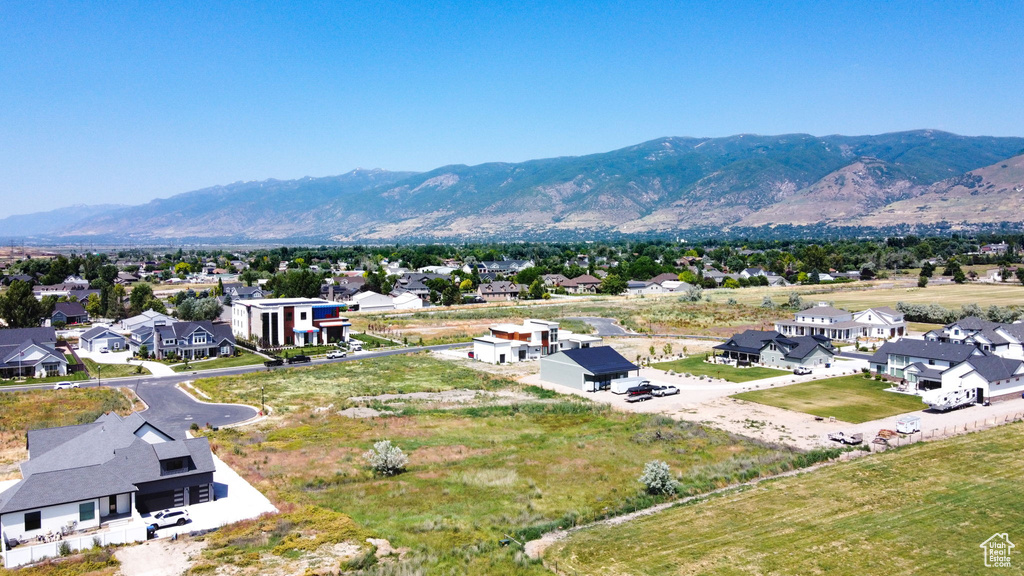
{"type": "Point", "coordinates": [386, 459]}
{"type": "Point", "coordinates": [658, 478]}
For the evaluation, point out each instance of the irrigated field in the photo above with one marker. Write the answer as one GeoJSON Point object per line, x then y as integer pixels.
{"type": "Point", "coordinates": [924, 509]}
{"type": "Point", "coordinates": [853, 399]}
{"type": "Point", "coordinates": [507, 460]}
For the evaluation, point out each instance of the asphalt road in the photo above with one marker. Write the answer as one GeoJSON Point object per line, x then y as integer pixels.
{"type": "Point", "coordinates": [173, 411]}
{"type": "Point", "coordinates": [603, 326]}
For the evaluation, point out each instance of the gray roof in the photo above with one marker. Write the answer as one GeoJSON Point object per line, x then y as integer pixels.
{"type": "Point", "coordinates": [69, 308]}
{"type": "Point", "coordinates": [994, 368]}
{"type": "Point", "coordinates": [945, 351]}
{"type": "Point", "coordinates": [793, 347]}
{"type": "Point", "coordinates": [96, 331]}
{"type": "Point", "coordinates": [105, 457]}
{"type": "Point", "coordinates": [39, 490]}
{"type": "Point", "coordinates": [927, 372]}
{"type": "Point", "coordinates": [17, 336]}
{"type": "Point", "coordinates": [974, 323]}
{"type": "Point", "coordinates": [824, 311]}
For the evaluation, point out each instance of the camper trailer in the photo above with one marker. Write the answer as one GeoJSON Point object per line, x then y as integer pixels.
{"type": "Point", "coordinates": [945, 400]}
{"type": "Point", "coordinates": [622, 385]}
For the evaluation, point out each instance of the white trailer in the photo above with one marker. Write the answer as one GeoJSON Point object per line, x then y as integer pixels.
{"type": "Point", "coordinates": [620, 385]}
{"type": "Point", "coordinates": [945, 400]}
{"type": "Point", "coordinates": [908, 424]}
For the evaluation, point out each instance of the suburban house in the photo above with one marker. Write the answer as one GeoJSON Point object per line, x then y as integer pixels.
{"type": "Point", "coordinates": [148, 318]}
{"type": "Point", "coordinates": [415, 282]}
{"type": "Point", "coordinates": [185, 340]}
{"type": "Point", "coordinates": [276, 322]}
{"type": "Point", "coordinates": [503, 267]}
{"type": "Point", "coordinates": [665, 277]}
{"type": "Point", "coordinates": [838, 324]}
{"type": "Point", "coordinates": [892, 358]}
{"type": "Point", "coordinates": [587, 369]}
{"type": "Point", "coordinates": [527, 341]}
{"type": "Point", "coordinates": [585, 284]}
{"type": "Point", "coordinates": [993, 378]}
{"type": "Point", "coordinates": [770, 348]}
{"type": "Point", "coordinates": [31, 352]}
{"type": "Point", "coordinates": [754, 272]}
{"type": "Point", "coordinates": [372, 302]}
{"type": "Point", "coordinates": [640, 288]}
{"type": "Point", "coordinates": [552, 280]}
{"type": "Point", "coordinates": [68, 313]}
{"type": "Point", "coordinates": [246, 293]}
{"type": "Point", "coordinates": [90, 475]}
{"type": "Point", "coordinates": [126, 278]}
{"type": "Point", "coordinates": [99, 337]}
{"type": "Point", "coordinates": [1005, 340]}
{"type": "Point", "coordinates": [496, 291]}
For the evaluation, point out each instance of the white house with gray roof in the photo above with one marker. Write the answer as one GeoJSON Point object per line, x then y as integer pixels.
{"type": "Point", "coordinates": [31, 352]}
{"type": "Point", "coordinates": [837, 324]}
{"type": "Point", "coordinates": [86, 476]}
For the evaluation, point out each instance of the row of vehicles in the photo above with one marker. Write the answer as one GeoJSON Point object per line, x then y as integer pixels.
{"type": "Point", "coordinates": [333, 354]}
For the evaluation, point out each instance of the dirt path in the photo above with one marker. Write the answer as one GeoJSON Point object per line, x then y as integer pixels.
{"type": "Point", "coordinates": [158, 557]}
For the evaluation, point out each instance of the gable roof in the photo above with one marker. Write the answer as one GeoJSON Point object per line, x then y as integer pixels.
{"type": "Point", "coordinates": [599, 359]}
{"type": "Point", "coordinates": [824, 311]}
{"type": "Point", "coordinates": [16, 336]}
{"type": "Point", "coordinates": [945, 351]}
{"type": "Point", "coordinates": [994, 368]}
{"type": "Point", "coordinates": [38, 490]}
{"type": "Point", "coordinates": [69, 308]}
{"type": "Point", "coordinates": [96, 331]}
{"type": "Point", "coordinates": [664, 277]}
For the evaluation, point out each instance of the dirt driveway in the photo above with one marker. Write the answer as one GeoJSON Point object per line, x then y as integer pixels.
{"type": "Point", "coordinates": [158, 557]}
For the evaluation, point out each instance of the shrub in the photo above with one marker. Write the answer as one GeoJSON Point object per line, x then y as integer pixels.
{"type": "Point", "coordinates": [386, 459]}
{"type": "Point", "coordinates": [64, 548]}
{"type": "Point", "coordinates": [658, 478]}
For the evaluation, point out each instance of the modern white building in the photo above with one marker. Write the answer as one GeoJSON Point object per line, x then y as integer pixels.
{"type": "Point", "coordinates": [527, 341]}
{"type": "Point", "coordinates": [277, 322]}
{"type": "Point", "coordinates": [372, 302]}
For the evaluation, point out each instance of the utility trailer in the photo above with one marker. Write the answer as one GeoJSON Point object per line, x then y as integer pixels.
{"type": "Point", "coordinates": [850, 439]}
{"type": "Point", "coordinates": [908, 424]}
{"type": "Point", "coordinates": [946, 400]}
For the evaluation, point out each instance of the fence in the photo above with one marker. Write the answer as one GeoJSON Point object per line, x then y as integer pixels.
{"type": "Point", "coordinates": [25, 554]}
{"type": "Point", "coordinates": [946, 431]}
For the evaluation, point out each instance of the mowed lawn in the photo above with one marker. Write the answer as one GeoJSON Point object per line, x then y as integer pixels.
{"type": "Point", "coordinates": [697, 365]}
{"type": "Point", "coordinates": [924, 509]}
{"type": "Point", "coordinates": [852, 399]}
{"type": "Point", "coordinates": [243, 359]}
{"type": "Point", "coordinates": [113, 370]}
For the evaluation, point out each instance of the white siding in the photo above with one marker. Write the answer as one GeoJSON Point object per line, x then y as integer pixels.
{"type": "Point", "coordinates": [53, 519]}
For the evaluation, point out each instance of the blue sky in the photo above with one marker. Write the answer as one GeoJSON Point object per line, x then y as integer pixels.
{"type": "Point", "coordinates": [121, 102]}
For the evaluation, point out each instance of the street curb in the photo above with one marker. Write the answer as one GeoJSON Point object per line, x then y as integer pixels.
{"type": "Point", "coordinates": [252, 420]}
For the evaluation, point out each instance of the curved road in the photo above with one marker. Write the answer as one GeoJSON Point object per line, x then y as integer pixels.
{"type": "Point", "coordinates": [603, 326]}
{"type": "Point", "coordinates": [173, 411]}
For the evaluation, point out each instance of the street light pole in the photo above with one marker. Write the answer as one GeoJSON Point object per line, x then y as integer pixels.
{"type": "Point", "coordinates": [263, 407]}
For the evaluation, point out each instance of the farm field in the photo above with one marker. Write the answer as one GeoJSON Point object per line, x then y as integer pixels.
{"type": "Point", "coordinates": [860, 295]}
{"type": "Point", "coordinates": [853, 399]}
{"type": "Point", "coordinates": [506, 459]}
{"type": "Point", "coordinates": [924, 509]}
{"type": "Point", "coordinates": [697, 365]}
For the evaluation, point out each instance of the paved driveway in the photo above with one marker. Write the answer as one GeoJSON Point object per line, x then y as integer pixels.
{"type": "Point", "coordinates": [125, 357]}
{"type": "Point", "coordinates": [603, 326]}
{"type": "Point", "coordinates": [173, 411]}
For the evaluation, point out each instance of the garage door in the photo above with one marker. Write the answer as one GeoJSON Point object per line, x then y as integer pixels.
{"type": "Point", "coordinates": [154, 502]}
{"type": "Point", "coordinates": [199, 494]}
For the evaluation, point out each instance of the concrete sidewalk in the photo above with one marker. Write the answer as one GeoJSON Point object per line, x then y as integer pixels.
{"type": "Point", "coordinates": [125, 357]}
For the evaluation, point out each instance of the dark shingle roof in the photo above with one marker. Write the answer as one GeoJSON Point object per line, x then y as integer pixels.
{"type": "Point", "coordinates": [39, 490]}
{"type": "Point", "coordinates": [600, 359]}
{"type": "Point", "coordinates": [994, 368]}
{"type": "Point", "coordinates": [69, 308]}
{"type": "Point", "coordinates": [96, 331]}
{"type": "Point", "coordinates": [16, 336]}
{"type": "Point", "coordinates": [945, 351]}
{"type": "Point", "coordinates": [974, 323]}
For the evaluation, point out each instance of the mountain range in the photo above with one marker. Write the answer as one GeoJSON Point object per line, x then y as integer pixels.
{"type": "Point", "coordinates": [663, 186]}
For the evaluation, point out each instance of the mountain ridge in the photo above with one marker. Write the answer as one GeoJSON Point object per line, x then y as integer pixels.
{"type": "Point", "coordinates": [663, 185]}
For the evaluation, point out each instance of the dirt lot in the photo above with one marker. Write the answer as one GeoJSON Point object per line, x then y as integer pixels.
{"type": "Point", "coordinates": [158, 557]}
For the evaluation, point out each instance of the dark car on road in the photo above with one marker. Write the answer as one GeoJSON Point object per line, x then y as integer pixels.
{"type": "Point", "coordinates": [273, 362]}
{"type": "Point", "coordinates": [298, 359]}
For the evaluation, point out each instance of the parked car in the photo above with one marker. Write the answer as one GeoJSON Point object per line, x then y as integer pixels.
{"type": "Point", "coordinates": [104, 350]}
{"type": "Point", "coordinates": [170, 518]}
{"type": "Point", "coordinates": [336, 354]}
{"type": "Point", "coordinates": [639, 393]}
{"type": "Point", "coordinates": [298, 359]}
{"type": "Point", "coordinates": [356, 346]}
{"type": "Point", "coordinates": [65, 385]}
{"type": "Point", "coordinates": [273, 362]}
{"type": "Point", "coordinates": [800, 371]}
{"type": "Point", "coordinates": [471, 355]}
{"type": "Point", "coordinates": [666, 391]}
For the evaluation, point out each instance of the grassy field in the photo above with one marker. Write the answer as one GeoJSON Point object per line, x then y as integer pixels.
{"type": "Point", "coordinates": [697, 365]}
{"type": "Point", "coordinates": [370, 341]}
{"type": "Point", "coordinates": [523, 462]}
{"type": "Point", "coordinates": [243, 359]}
{"type": "Point", "coordinates": [862, 295]}
{"type": "Point", "coordinates": [852, 399]}
{"type": "Point", "coordinates": [924, 509]}
{"type": "Point", "coordinates": [113, 370]}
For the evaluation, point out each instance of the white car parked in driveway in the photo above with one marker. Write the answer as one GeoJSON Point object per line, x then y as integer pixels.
{"type": "Point", "coordinates": [170, 518]}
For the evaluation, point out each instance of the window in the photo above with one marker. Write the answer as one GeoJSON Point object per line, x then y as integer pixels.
{"type": "Point", "coordinates": [288, 316]}
{"type": "Point", "coordinates": [302, 315]}
{"type": "Point", "coordinates": [33, 520]}
{"type": "Point", "coordinates": [86, 511]}
{"type": "Point", "coordinates": [200, 338]}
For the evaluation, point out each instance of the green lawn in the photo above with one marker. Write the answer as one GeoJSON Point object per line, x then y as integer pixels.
{"type": "Point", "coordinates": [476, 472]}
{"type": "Point", "coordinates": [697, 365]}
{"type": "Point", "coordinates": [243, 359]}
{"type": "Point", "coordinates": [48, 380]}
{"type": "Point", "coordinates": [852, 399]}
{"type": "Point", "coordinates": [924, 509]}
{"type": "Point", "coordinates": [370, 342]}
{"type": "Point", "coordinates": [113, 370]}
